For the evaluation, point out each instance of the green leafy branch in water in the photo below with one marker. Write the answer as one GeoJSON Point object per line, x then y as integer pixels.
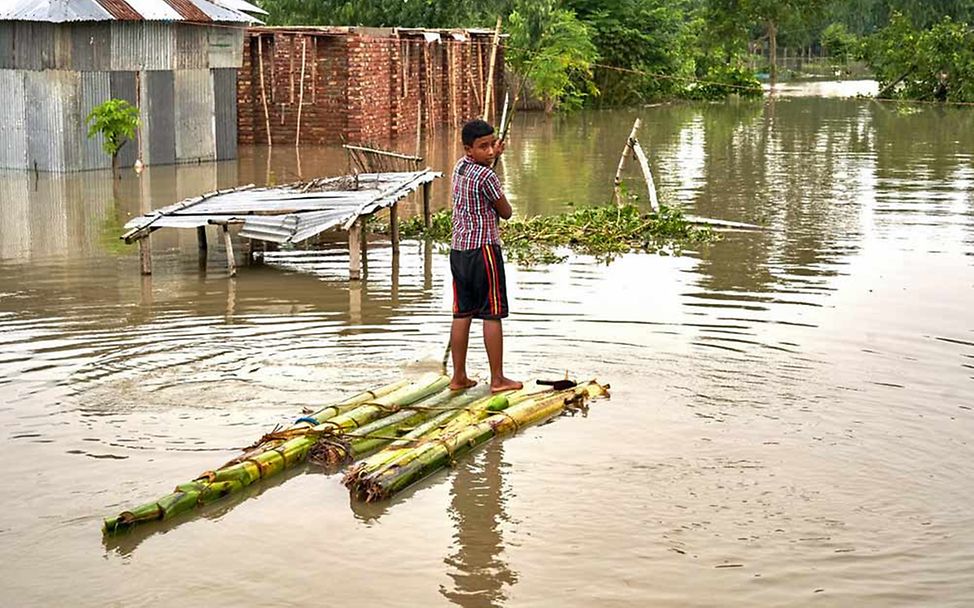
{"type": "Point", "coordinates": [604, 232]}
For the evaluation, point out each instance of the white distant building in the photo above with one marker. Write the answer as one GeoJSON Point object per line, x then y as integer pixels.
{"type": "Point", "coordinates": [176, 60]}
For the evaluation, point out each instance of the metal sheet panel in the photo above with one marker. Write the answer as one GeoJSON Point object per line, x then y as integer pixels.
{"type": "Point", "coordinates": [45, 121]}
{"type": "Point", "coordinates": [195, 121]}
{"type": "Point", "coordinates": [13, 120]}
{"type": "Point", "coordinates": [7, 55]}
{"type": "Point", "coordinates": [95, 89]}
{"type": "Point", "coordinates": [91, 47]}
{"type": "Point", "coordinates": [225, 112]}
{"type": "Point", "coordinates": [128, 46]}
{"type": "Point", "coordinates": [192, 47]}
{"type": "Point", "coordinates": [159, 114]}
{"type": "Point", "coordinates": [155, 10]}
{"type": "Point", "coordinates": [242, 6]}
{"type": "Point", "coordinates": [225, 47]}
{"type": "Point", "coordinates": [123, 86]}
{"type": "Point", "coordinates": [53, 11]}
{"type": "Point", "coordinates": [160, 46]}
{"type": "Point", "coordinates": [33, 46]}
{"type": "Point", "coordinates": [215, 12]}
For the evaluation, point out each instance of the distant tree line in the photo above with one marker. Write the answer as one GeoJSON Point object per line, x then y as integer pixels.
{"type": "Point", "coordinates": [618, 52]}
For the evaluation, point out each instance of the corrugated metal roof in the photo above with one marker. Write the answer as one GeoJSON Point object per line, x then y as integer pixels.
{"type": "Point", "coordinates": [60, 11]}
{"type": "Point", "coordinates": [287, 214]}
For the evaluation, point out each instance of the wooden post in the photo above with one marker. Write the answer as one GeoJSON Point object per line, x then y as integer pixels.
{"type": "Point", "coordinates": [355, 250]}
{"type": "Point", "coordinates": [145, 255]}
{"type": "Point", "coordinates": [297, 134]}
{"type": "Point", "coordinates": [394, 227]}
{"type": "Point", "coordinates": [426, 204]}
{"type": "Point", "coordinates": [231, 262]}
{"type": "Point", "coordinates": [263, 89]}
{"type": "Point", "coordinates": [489, 85]}
{"type": "Point", "coordinates": [201, 239]}
{"type": "Point", "coordinates": [617, 190]}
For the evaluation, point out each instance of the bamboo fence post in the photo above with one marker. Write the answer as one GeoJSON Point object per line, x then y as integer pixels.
{"type": "Point", "coordinates": [304, 51]}
{"type": "Point", "coordinates": [488, 94]}
{"type": "Point", "coordinates": [145, 255]}
{"type": "Point", "coordinates": [617, 183]}
{"type": "Point", "coordinates": [263, 88]}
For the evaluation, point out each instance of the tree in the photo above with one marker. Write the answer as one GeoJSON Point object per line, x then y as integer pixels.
{"type": "Point", "coordinates": [115, 120]}
{"type": "Point", "coordinates": [552, 51]}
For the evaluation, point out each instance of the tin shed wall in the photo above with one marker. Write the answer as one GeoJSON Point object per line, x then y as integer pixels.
{"type": "Point", "coordinates": [159, 118]}
{"type": "Point", "coordinates": [95, 89]}
{"type": "Point", "coordinates": [225, 112]}
{"type": "Point", "coordinates": [13, 127]}
{"type": "Point", "coordinates": [195, 129]}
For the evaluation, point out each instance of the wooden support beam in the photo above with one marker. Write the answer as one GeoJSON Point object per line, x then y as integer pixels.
{"type": "Point", "coordinates": [426, 204]}
{"type": "Point", "coordinates": [145, 255]}
{"type": "Point", "coordinates": [355, 250]}
{"type": "Point", "coordinates": [394, 227]}
{"type": "Point", "coordinates": [201, 240]}
{"type": "Point", "coordinates": [231, 262]}
{"type": "Point", "coordinates": [489, 85]}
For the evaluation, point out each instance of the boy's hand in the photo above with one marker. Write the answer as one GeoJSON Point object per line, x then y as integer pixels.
{"type": "Point", "coordinates": [498, 147]}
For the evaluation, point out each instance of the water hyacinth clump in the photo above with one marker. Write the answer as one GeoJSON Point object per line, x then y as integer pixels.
{"type": "Point", "coordinates": [604, 232]}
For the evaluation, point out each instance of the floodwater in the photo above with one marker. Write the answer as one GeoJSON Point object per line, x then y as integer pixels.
{"type": "Point", "coordinates": [791, 420]}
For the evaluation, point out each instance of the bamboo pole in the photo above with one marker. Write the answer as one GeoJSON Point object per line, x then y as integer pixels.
{"type": "Point", "coordinates": [263, 88]}
{"type": "Point", "coordinates": [647, 174]}
{"type": "Point", "coordinates": [617, 183]}
{"type": "Point", "coordinates": [488, 93]}
{"type": "Point", "coordinates": [304, 51]}
{"type": "Point", "coordinates": [426, 205]}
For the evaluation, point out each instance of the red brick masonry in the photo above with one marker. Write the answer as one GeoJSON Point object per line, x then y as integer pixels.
{"type": "Point", "coordinates": [361, 85]}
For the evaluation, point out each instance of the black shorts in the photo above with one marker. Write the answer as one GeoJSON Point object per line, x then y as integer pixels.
{"type": "Point", "coordinates": [479, 285]}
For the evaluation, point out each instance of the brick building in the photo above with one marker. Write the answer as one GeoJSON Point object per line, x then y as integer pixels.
{"type": "Point", "coordinates": [326, 85]}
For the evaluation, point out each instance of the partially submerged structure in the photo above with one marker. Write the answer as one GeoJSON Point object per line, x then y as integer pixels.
{"type": "Point", "coordinates": [330, 85]}
{"type": "Point", "coordinates": [176, 60]}
{"type": "Point", "coordinates": [289, 214]}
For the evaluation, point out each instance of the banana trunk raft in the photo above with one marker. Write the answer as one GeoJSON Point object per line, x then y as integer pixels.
{"type": "Point", "coordinates": [411, 429]}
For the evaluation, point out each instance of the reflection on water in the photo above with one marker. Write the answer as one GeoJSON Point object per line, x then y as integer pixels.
{"type": "Point", "coordinates": [790, 415]}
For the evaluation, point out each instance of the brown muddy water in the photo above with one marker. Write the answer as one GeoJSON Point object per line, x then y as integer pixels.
{"type": "Point", "coordinates": [790, 424]}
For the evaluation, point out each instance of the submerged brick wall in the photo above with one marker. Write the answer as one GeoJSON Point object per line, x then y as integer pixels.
{"type": "Point", "coordinates": [360, 85]}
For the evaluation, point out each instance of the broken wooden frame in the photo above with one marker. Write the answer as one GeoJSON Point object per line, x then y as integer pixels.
{"type": "Point", "coordinates": [289, 214]}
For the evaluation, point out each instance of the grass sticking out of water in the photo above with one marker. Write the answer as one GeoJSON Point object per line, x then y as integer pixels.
{"type": "Point", "coordinates": [604, 232]}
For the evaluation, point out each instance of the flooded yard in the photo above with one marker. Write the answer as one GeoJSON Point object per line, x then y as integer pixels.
{"type": "Point", "coordinates": [791, 415]}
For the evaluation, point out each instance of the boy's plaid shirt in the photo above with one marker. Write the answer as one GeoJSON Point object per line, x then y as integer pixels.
{"type": "Point", "coordinates": [475, 188]}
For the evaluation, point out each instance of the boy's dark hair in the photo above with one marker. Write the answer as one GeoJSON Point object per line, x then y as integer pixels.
{"type": "Point", "coordinates": [474, 129]}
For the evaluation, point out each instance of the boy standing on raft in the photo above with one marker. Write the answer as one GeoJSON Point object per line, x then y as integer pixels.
{"type": "Point", "coordinates": [479, 286]}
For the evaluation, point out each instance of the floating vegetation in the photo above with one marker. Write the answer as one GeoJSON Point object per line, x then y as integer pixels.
{"type": "Point", "coordinates": [604, 232]}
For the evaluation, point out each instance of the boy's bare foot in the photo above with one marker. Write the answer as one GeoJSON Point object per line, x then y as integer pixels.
{"type": "Point", "coordinates": [458, 384]}
{"type": "Point", "coordinates": [504, 384]}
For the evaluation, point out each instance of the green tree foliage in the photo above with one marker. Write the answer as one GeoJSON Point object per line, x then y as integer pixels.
{"type": "Point", "coordinates": [115, 120]}
{"type": "Point", "coordinates": [386, 13]}
{"type": "Point", "coordinates": [839, 43]}
{"type": "Point", "coordinates": [921, 64]}
{"type": "Point", "coordinates": [648, 41]}
{"type": "Point", "coordinates": [551, 51]}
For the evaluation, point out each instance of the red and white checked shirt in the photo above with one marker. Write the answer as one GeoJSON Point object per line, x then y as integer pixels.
{"type": "Point", "coordinates": [475, 188]}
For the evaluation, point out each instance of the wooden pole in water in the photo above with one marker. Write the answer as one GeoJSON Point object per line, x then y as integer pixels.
{"type": "Point", "coordinates": [201, 240]}
{"type": "Point", "coordinates": [355, 250]}
{"type": "Point", "coordinates": [617, 183]}
{"type": "Point", "coordinates": [488, 93]}
{"type": "Point", "coordinates": [394, 227]}
{"type": "Point", "coordinates": [231, 262]}
{"type": "Point", "coordinates": [145, 255]}
{"type": "Point", "coordinates": [263, 89]}
{"type": "Point", "coordinates": [426, 204]}
{"type": "Point", "coordinates": [644, 165]}
{"type": "Point", "coordinates": [304, 51]}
